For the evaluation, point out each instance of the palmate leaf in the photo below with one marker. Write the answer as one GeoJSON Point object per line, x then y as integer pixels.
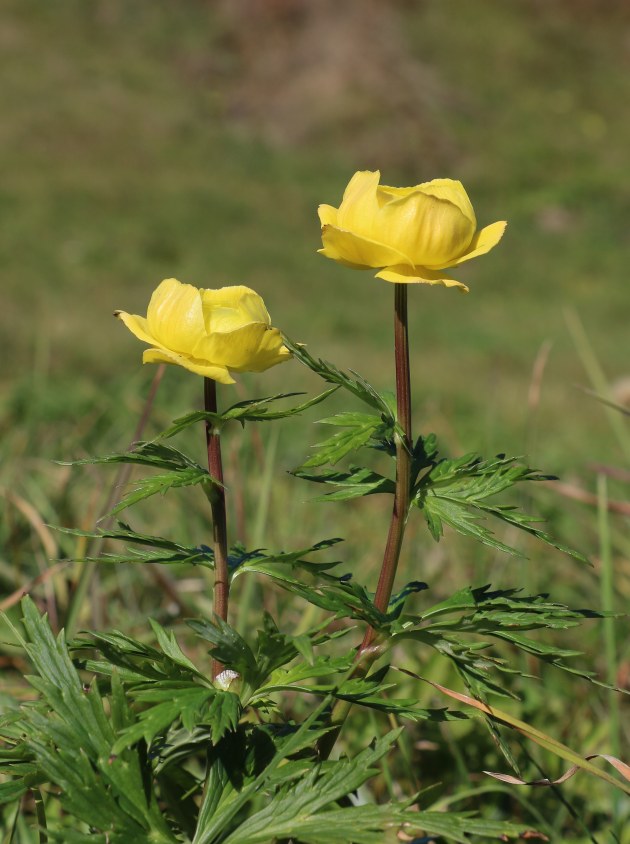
{"type": "Point", "coordinates": [455, 493]}
{"type": "Point", "coordinates": [137, 662]}
{"type": "Point", "coordinates": [228, 646]}
{"type": "Point", "coordinates": [354, 483]}
{"type": "Point", "coordinates": [468, 625]}
{"type": "Point", "coordinates": [305, 808]}
{"type": "Point", "coordinates": [69, 734]}
{"type": "Point", "coordinates": [190, 703]}
{"type": "Point", "coordinates": [252, 410]}
{"type": "Point", "coordinates": [354, 383]}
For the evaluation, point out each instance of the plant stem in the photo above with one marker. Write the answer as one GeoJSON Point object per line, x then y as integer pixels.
{"type": "Point", "coordinates": [403, 461]}
{"type": "Point", "coordinates": [217, 503]}
{"type": "Point", "coordinates": [368, 653]}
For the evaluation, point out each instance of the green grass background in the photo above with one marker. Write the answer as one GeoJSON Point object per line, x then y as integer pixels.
{"type": "Point", "coordinates": [148, 139]}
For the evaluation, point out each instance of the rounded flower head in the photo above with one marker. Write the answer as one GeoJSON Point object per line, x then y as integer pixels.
{"type": "Point", "coordinates": [410, 234]}
{"type": "Point", "coordinates": [210, 332]}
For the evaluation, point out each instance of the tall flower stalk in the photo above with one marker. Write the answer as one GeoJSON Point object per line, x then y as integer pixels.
{"type": "Point", "coordinates": [400, 509]}
{"type": "Point", "coordinates": [213, 333]}
{"type": "Point", "coordinates": [410, 235]}
{"type": "Point", "coordinates": [216, 496]}
{"type": "Point", "coordinates": [367, 653]}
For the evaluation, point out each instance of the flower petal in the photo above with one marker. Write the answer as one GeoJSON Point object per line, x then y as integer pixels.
{"type": "Point", "coordinates": [250, 348]}
{"type": "Point", "coordinates": [327, 215]}
{"type": "Point", "coordinates": [199, 367]}
{"type": "Point", "coordinates": [484, 240]}
{"type": "Point", "coordinates": [357, 251]}
{"type": "Point", "coordinates": [137, 325]}
{"type": "Point", "coordinates": [419, 275]}
{"type": "Point", "coordinates": [431, 230]}
{"type": "Point", "coordinates": [175, 316]}
{"type": "Point", "coordinates": [359, 205]}
{"type": "Point", "coordinates": [229, 308]}
{"type": "Point", "coordinates": [452, 191]}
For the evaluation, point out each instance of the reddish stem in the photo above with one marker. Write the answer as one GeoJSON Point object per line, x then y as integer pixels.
{"type": "Point", "coordinates": [403, 462]}
{"type": "Point", "coordinates": [367, 653]}
{"type": "Point", "coordinates": [217, 503]}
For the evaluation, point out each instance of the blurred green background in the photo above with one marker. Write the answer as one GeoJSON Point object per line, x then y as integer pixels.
{"type": "Point", "coordinates": [148, 139]}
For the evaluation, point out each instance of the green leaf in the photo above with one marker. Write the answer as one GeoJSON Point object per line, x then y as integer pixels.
{"type": "Point", "coordinates": [461, 626]}
{"type": "Point", "coordinates": [354, 383]}
{"type": "Point", "coordinates": [69, 734]}
{"type": "Point", "coordinates": [229, 647]}
{"type": "Point", "coordinates": [359, 429]}
{"type": "Point", "coordinates": [169, 645]}
{"type": "Point", "coordinates": [191, 704]}
{"type": "Point", "coordinates": [454, 492]}
{"type": "Point", "coordinates": [160, 484]}
{"type": "Point", "coordinates": [152, 454]}
{"type": "Point", "coordinates": [357, 481]}
{"type": "Point", "coordinates": [170, 553]}
{"type": "Point", "coordinates": [290, 811]}
{"type": "Point", "coordinates": [276, 565]}
{"type": "Point", "coordinates": [252, 410]}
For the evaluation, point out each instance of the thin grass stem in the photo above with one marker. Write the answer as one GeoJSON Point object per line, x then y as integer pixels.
{"type": "Point", "coordinates": [607, 592]}
{"type": "Point", "coordinates": [85, 579]}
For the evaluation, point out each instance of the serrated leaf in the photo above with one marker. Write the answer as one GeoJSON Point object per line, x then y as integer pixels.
{"type": "Point", "coordinates": [454, 492]}
{"type": "Point", "coordinates": [154, 454]}
{"type": "Point", "coordinates": [356, 482]}
{"type": "Point", "coordinates": [354, 383]}
{"type": "Point", "coordinates": [229, 647]}
{"type": "Point", "coordinates": [161, 484]}
{"type": "Point", "coordinates": [359, 429]}
{"type": "Point", "coordinates": [223, 714]}
{"type": "Point", "coordinates": [168, 643]}
{"type": "Point", "coordinates": [171, 702]}
{"type": "Point", "coordinates": [241, 561]}
{"type": "Point", "coordinates": [69, 735]}
{"type": "Point", "coordinates": [171, 553]}
{"type": "Point", "coordinates": [252, 410]}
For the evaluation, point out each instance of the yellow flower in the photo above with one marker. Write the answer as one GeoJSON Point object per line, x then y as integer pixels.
{"type": "Point", "coordinates": [210, 332]}
{"type": "Point", "coordinates": [411, 234]}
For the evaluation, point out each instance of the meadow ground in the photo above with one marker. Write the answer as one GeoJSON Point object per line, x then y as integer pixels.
{"type": "Point", "coordinates": [148, 140]}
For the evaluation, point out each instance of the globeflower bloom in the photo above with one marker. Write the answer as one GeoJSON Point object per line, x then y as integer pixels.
{"type": "Point", "coordinates": [210, 332]}
{"type": "Point", "coordinates": [410, 234]}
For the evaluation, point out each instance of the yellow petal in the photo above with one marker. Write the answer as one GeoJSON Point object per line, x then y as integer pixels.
{"type": "Point", "coordinates": [357, 251]}
{"type": "Point", "coordinates": [327, 215]}
{"type": "Point", "coordinates": [199, 367]}
{"type": "Point", "coordinates": [419, 275]}
{"type": "Point", "coordinates": [485, 240]}
{"type": "Point", "coordinates": [229, 308]}
{"type": "Point", "coordinates": [359, 205]}
{"type": "Point", "coordinates": [452, 191]}
{"type": "Point", "coordinates": [251, 348]}
{"type": "Point", "coordinates": [137, 325]}
{"type": "Point", "coordinates": [431, 230]}
{"type": "Point", "coordinates": [175, 316]}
